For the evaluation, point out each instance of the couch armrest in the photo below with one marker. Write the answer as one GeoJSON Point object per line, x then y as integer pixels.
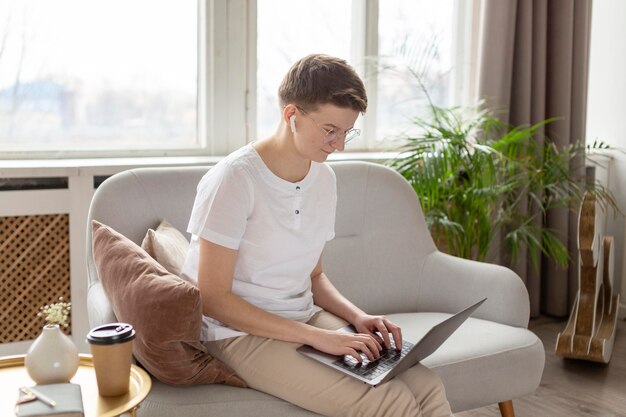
{"type": "Point", "coordinates": [448, 284]}
{"type": "Point", "coordinates": [99, 309]}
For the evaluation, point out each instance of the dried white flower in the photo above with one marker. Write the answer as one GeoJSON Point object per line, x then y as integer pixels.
{"type": "Point", "coordinates": [56, 313]}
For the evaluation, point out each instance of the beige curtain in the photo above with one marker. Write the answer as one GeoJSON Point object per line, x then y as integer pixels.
{"type": "Point", "coordinates": [532, 64]}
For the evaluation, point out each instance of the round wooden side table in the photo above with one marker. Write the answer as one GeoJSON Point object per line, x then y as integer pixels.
{"type": "Point", "coordinates": [13, 375]}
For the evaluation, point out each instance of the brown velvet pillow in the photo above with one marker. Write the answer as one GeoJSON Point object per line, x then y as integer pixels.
{"type": "Point", "coordinates": [165, 311]}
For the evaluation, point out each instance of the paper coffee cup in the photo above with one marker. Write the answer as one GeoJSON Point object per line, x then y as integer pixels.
{"type": "Point", "coordinates": [112, 349]}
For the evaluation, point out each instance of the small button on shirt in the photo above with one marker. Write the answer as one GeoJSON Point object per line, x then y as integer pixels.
{"type": "Point", "coordinates": [279, 229]}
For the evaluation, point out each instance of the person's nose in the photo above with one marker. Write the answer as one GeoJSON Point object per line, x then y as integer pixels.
{"type": "Point", "coordinates": [339, 143]}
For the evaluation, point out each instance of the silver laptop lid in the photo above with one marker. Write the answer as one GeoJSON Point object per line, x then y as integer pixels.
{"type": "Point", "coordinates": [432, 340]}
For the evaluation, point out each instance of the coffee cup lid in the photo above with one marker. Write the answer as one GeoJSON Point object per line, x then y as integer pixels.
{"type": "Point", "coordinates": [111, 333]}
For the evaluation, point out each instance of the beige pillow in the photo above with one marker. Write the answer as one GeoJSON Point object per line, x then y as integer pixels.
{"type": "Point", "coordinates": [168, 246]}
{"type": "Point", "coordinates": [165, 311]}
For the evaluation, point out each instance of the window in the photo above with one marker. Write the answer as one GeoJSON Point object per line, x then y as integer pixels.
{"type": "Point", "coordinates": [388, 42]}
{"type": "Point", "coordinates": [286, 32]}
{"type": "Point", "coordinates": [415, 50]}
{"type": "Point", "coordinates": [79, 75]}
{"type": "Point", "coordinates": [119, 78]}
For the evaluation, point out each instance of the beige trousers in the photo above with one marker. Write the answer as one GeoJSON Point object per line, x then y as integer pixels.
{"type": "Point", "coordinates": [276, 368]}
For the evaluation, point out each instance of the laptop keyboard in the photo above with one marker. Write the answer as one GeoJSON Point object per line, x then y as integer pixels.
{"type": "Point", "coordinates": [370, 370]}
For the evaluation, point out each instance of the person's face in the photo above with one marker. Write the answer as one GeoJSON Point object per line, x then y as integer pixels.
{"type": "Point", "coordinates": [321, 132]}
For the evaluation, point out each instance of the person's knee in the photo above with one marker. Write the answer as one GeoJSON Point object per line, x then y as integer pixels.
{"type": "Point", "coordinates": [430, 394]}
{"type": "Point", "coordinates": [431, 389]}
{"type": "Point", "coordinates": [420, 376]}
{"type": "Point", "coordinates": [433, 380]}
{"type": "Point", "coordinates": [391, 399]}
{"type": "Point", "coordinates": [426, 385]}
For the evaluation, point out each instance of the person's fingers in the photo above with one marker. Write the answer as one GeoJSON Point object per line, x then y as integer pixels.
{"type": "Point", "coordinates": [397, 335]}
{"type": "Point", "coordinates": [354, 354]}
{"type": "Point", "coordinates": [374, 346]}
{"type": "Point", "coordinates": [372, 338]}
{"type": "Point", "coordinates": [378, 339]}
{"type": "Point", "coordinates": [362, 346]}
{"type": "Point", "coordinates": [384, 332]}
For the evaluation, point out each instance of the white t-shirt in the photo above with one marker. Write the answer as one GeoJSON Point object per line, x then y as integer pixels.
{"type": "Point", "coordinates": [279, 229]}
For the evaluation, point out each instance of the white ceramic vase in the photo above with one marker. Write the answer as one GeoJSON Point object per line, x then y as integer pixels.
{"type": "Point", "coordinates": [52, 358]}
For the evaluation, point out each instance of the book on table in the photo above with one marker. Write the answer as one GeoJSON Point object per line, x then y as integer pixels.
{"type": "Point", "coordinates": [54, 400]}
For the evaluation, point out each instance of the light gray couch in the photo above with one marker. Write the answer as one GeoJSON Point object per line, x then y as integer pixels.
{"type": "Point", "coordinates": [383, 259]}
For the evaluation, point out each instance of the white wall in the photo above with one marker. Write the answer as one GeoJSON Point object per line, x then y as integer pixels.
{"type": "Point", "coordinates": [606, 111]}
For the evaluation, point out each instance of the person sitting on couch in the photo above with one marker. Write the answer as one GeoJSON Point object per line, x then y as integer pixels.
{"type": "Point", "coordinates": [259, 224]}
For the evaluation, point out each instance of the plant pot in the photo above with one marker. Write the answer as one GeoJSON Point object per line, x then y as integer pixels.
{"type": "Point", "coordinates": [52, 358]}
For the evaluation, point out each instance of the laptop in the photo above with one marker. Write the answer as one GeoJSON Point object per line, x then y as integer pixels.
{"type": "Point", "coordinates": [392, 361]}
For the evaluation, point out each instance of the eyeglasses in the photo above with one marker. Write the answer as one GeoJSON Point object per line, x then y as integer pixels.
{"type": "Point", "coordinates": [333, 135]}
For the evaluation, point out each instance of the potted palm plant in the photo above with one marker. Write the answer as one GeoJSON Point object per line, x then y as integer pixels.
{"type": "Point", "coordinates": [482, 183]}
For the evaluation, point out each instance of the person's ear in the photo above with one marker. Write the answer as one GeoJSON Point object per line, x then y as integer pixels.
{"type": "Point", "coordinates": [292, 123]}
{"type": "Point", "coordinates": [289, 116]}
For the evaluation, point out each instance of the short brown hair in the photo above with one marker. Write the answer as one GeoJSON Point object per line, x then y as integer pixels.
{"type": "Point", "coordinates": [322, 79]}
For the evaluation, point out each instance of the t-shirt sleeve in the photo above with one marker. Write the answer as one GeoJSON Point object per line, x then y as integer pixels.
{"type": "Point", "coordinates": [222, 206]}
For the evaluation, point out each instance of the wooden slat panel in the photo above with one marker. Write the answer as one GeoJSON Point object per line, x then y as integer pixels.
{"type": "Point", "coordinates": [34, 271]}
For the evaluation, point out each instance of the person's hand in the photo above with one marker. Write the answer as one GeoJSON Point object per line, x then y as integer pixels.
{"type": "Point", "coordinates": [370, 325]}
{"type": "Point", "coordinates": [341, 343]}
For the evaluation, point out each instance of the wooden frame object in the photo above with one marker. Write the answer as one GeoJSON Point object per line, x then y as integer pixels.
{"type": "Point", "coordinates": [506, 409]}
{"type": "Point", "coordinates": [590, 331]}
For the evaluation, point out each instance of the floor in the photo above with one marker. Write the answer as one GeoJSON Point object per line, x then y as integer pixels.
{"type": "Point", "coordinates": [569, 387]}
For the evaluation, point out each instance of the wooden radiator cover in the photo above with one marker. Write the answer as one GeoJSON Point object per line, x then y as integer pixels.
{"type": "Point", "coordinates": [34, 271]}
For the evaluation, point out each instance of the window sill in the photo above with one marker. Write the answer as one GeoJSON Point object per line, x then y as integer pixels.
{"type": "Point", "coordinates": [108, 166]}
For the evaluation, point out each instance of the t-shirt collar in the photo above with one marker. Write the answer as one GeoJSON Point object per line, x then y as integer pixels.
{"type": "Point", "coordinates": [280, 183]}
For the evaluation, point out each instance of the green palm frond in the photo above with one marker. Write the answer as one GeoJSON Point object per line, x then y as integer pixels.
{"type": "Point", "coordinates": [477, 178]}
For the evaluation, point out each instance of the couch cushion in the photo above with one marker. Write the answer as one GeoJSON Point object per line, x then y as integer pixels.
{"type": "Point", "coordinates": [167, 245]}
{"type": "Point", "coordinates": [215, 400]}
{"type": "Point", "coordinates": [165, 311]}
{"type": "Point", "coordinates": [475, 360]}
